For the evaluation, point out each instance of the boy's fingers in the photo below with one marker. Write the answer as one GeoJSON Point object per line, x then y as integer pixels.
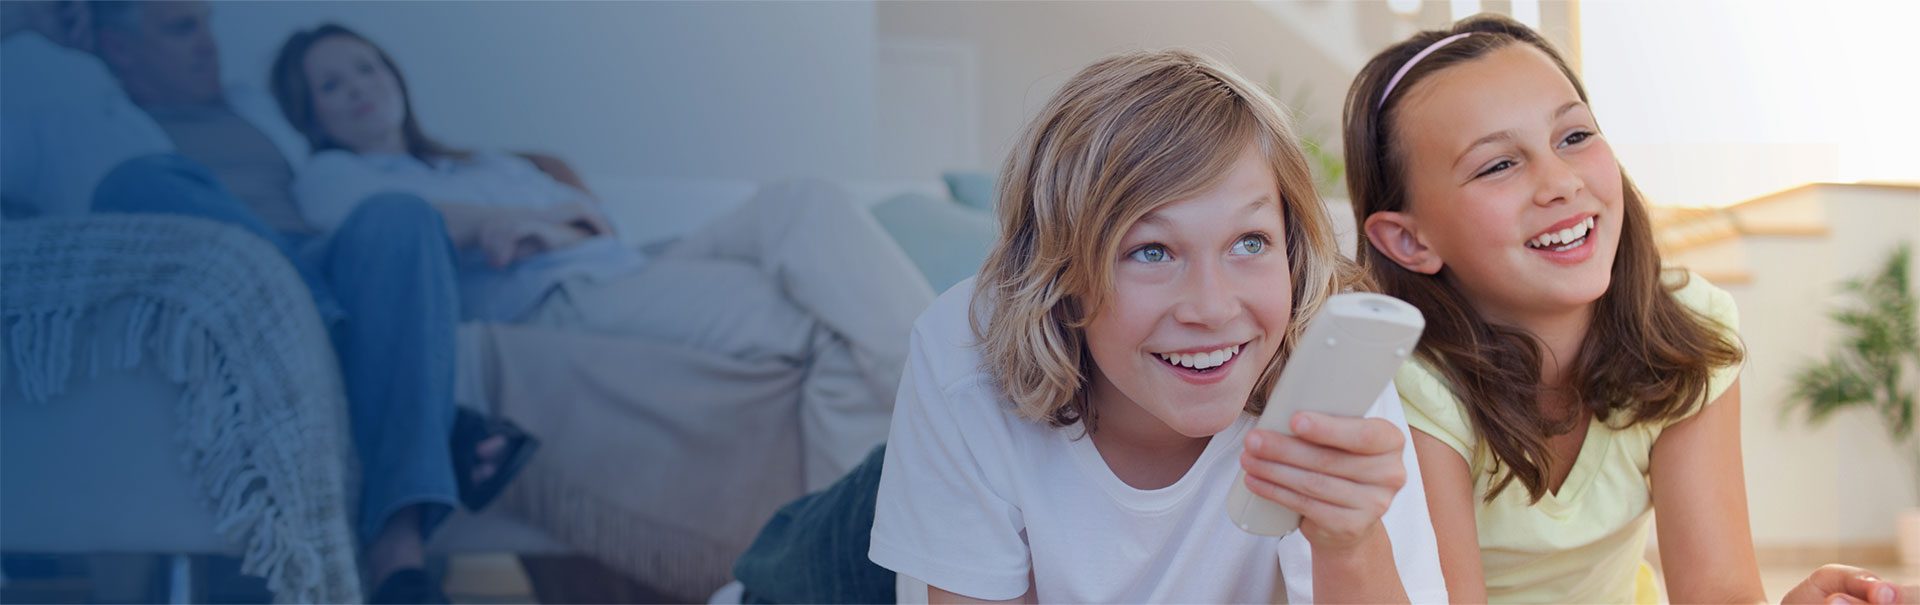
{"type": "Point", "coordinates": [1321, 486]}
{"type": "Point", "coordinates": [1365, 436]}
{"type": "Point", "coordinates": [1269, 446]}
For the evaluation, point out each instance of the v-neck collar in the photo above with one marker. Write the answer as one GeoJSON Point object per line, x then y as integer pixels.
{"type": "Point", "coordinates": [1594, 448]}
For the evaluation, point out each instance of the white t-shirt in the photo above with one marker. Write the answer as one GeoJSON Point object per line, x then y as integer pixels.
{"type": "Point", "coordinates": [973, 499]}
{"type": "Point", "coordinates": [334, 182]}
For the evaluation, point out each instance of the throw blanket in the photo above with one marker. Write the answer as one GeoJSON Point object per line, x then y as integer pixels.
{"type": "Point", "coordinates": [262, 419]}
{"type": "Point", "coordinates": [659, 460]}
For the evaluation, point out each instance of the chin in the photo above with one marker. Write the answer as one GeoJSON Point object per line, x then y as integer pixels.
{"type": "Point", "coordinates": [1589, 293]}
{"type": "Point", "coordinates": [1207, 420]}
{"type": "Point", "coordinates": [1596, 286]}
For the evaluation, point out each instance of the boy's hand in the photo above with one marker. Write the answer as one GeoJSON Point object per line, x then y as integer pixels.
{"type": "Point", "coordinates": [1845, 584]}
{"type": "Point", "coordinates": [1339, 473]}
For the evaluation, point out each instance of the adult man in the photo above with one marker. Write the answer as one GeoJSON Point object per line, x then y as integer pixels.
{"type": "Point", "coordinates": [383, 280]}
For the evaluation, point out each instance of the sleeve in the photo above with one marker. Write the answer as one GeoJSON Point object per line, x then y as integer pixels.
{"type": "Point", "coordinates": [332, 184]}
{"type": "Point", "coordinates": [1715, 304]}
{"type": "Point", "coordinates": [1431, 407]}
{"type": "Point", "coordinates": [551, 190]}
{"type": "Point", "coordinates": [1416, 552]}
{"type": "Point", "coordinates": [937, 517]}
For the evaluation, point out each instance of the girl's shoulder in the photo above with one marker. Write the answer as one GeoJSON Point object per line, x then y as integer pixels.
{"type": "Point", "coordinates": [1701, 296]}
{"type": "Point", "coordinates": [1432, 408]}
{"type": "Point", "coordinates": [343, 164]}
{"type": "Point", "coordinates": [335, 159]}
{"type": "Point", "coordinates": [497, 160]}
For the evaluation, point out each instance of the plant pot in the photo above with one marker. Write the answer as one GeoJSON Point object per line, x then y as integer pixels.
{"type": "Point", "coordinates": [1908, 538]}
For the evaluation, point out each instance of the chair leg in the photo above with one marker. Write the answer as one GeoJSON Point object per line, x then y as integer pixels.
{"type": "Point", "coordinates": [181, 587]}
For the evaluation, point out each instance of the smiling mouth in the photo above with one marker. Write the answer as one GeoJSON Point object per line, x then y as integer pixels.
{"type": "Point", "coordinates": [1564, 239]}
{"type": "Point", "coordinates": [1206, 362]}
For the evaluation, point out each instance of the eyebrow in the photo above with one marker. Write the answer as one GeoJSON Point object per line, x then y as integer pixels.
{"type": "Point", "coordinates": [1153, 218]}
{"type": "Point", "coordinates": [1507, 135]}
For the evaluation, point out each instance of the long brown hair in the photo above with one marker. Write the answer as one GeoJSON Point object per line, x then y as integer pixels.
{"type": "Point", "coordinates": [295, 95]}
{"type": "Point", "coordinates": [1646, 358]}
{"type": "Point", "coordinates": [1128, 134]}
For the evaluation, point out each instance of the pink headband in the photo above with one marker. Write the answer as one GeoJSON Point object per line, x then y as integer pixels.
{"type": "Point", "coordinates": [1409, 65]}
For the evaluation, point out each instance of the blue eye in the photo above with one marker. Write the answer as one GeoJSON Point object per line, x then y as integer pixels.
{"type": "Point", "coordinates": [1250, 245]}
{"type": "Point", "coordinates": [1576, 138]}
{"type": "Point", "coordinates": [1150, 253]}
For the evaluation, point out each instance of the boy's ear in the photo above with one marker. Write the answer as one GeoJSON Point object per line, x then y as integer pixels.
{"type": "Point", "coordinates": [1397, 235]}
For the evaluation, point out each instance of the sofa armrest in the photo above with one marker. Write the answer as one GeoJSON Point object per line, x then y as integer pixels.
{"type": "Point", "coordinates": [260, 417]}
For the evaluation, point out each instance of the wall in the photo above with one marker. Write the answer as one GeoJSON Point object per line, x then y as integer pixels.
{"type": "Point", "coordinates": [710, 90]}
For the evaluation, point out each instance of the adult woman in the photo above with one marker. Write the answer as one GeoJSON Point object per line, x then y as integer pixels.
{"type": "Point", "coordinates": [749, 287]}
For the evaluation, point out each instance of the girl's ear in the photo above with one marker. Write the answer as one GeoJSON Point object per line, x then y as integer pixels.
{"type": "Point", "coordinates": [1397, 235]}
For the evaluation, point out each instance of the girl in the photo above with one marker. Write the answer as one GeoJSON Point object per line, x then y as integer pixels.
{"type": "Point", "coordinates": [1072, 418]}
{"type": "Point", "coordinates": [1566, 387]}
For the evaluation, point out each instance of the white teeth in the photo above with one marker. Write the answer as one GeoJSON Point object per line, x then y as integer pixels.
{"type": "Point", "coordinates": [1201, 361]}
{"type": "Point", "coordinates": [1563, 236]}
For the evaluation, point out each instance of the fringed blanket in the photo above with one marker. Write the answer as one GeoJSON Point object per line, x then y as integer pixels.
{"type": "Point", "coordinates": [262, 418]}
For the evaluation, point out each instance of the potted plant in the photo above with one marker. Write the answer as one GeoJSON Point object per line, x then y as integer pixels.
{"type": "Point", "coordinates": [1875, 367]}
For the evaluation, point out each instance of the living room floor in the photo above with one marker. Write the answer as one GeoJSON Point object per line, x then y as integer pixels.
{"type": "Point", "coordinates": [495, 579]}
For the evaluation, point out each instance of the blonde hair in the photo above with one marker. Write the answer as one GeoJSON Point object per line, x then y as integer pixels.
{"type": "Point", "coordinates": [1128, 134]}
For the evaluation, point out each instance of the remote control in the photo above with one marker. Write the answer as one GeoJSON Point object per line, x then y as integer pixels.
{"type": "Point", "coordinates": [1349, 353]}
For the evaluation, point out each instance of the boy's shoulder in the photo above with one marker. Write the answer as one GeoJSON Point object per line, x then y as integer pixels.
{"type": "Point", "coordinates": [947, 323]}
{"type": "Point", "coordinates": [945, 343]}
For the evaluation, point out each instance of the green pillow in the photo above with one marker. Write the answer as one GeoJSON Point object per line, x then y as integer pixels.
{"type": "Point", "coordinates": [971, 188]}
{"type": "Point", "coordinates": [947, 241]}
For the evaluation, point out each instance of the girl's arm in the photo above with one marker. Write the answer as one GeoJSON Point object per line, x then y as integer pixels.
{"type": "Point", "coordinates": [506, 234]}
{"type": "Point", "coordinates": [334, 183]}
{"type": "Point", "coordinates": [1700, 496]}
{"type": "Point", "coordinates": [1450, 502]}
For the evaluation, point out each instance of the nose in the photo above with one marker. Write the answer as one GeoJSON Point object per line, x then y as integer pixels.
{"type": "Point", "coordinates": [1555, 181]}
{"type": "Point", "coordinates": [1207, 298]}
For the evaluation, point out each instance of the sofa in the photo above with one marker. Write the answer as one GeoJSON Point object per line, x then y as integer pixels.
{"type": "Point", "coordinates": [105, 460]}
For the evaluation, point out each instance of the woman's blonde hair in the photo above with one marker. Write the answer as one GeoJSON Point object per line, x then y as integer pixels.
{"type": "Point", "coordinates": [1128, 134]}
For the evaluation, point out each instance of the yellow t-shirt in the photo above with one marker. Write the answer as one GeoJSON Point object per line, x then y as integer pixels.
{"type": "Point", "coordinates": [1584, 544]}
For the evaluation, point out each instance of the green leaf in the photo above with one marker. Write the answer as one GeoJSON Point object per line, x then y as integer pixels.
{"type": "Point", "coordinates": [1878, 350]}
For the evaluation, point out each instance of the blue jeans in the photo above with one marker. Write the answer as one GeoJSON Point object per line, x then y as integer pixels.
{"type": "Point", "coordinates": [384, 281]}
{"type": "Point", "coordinates": [814, 550]}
